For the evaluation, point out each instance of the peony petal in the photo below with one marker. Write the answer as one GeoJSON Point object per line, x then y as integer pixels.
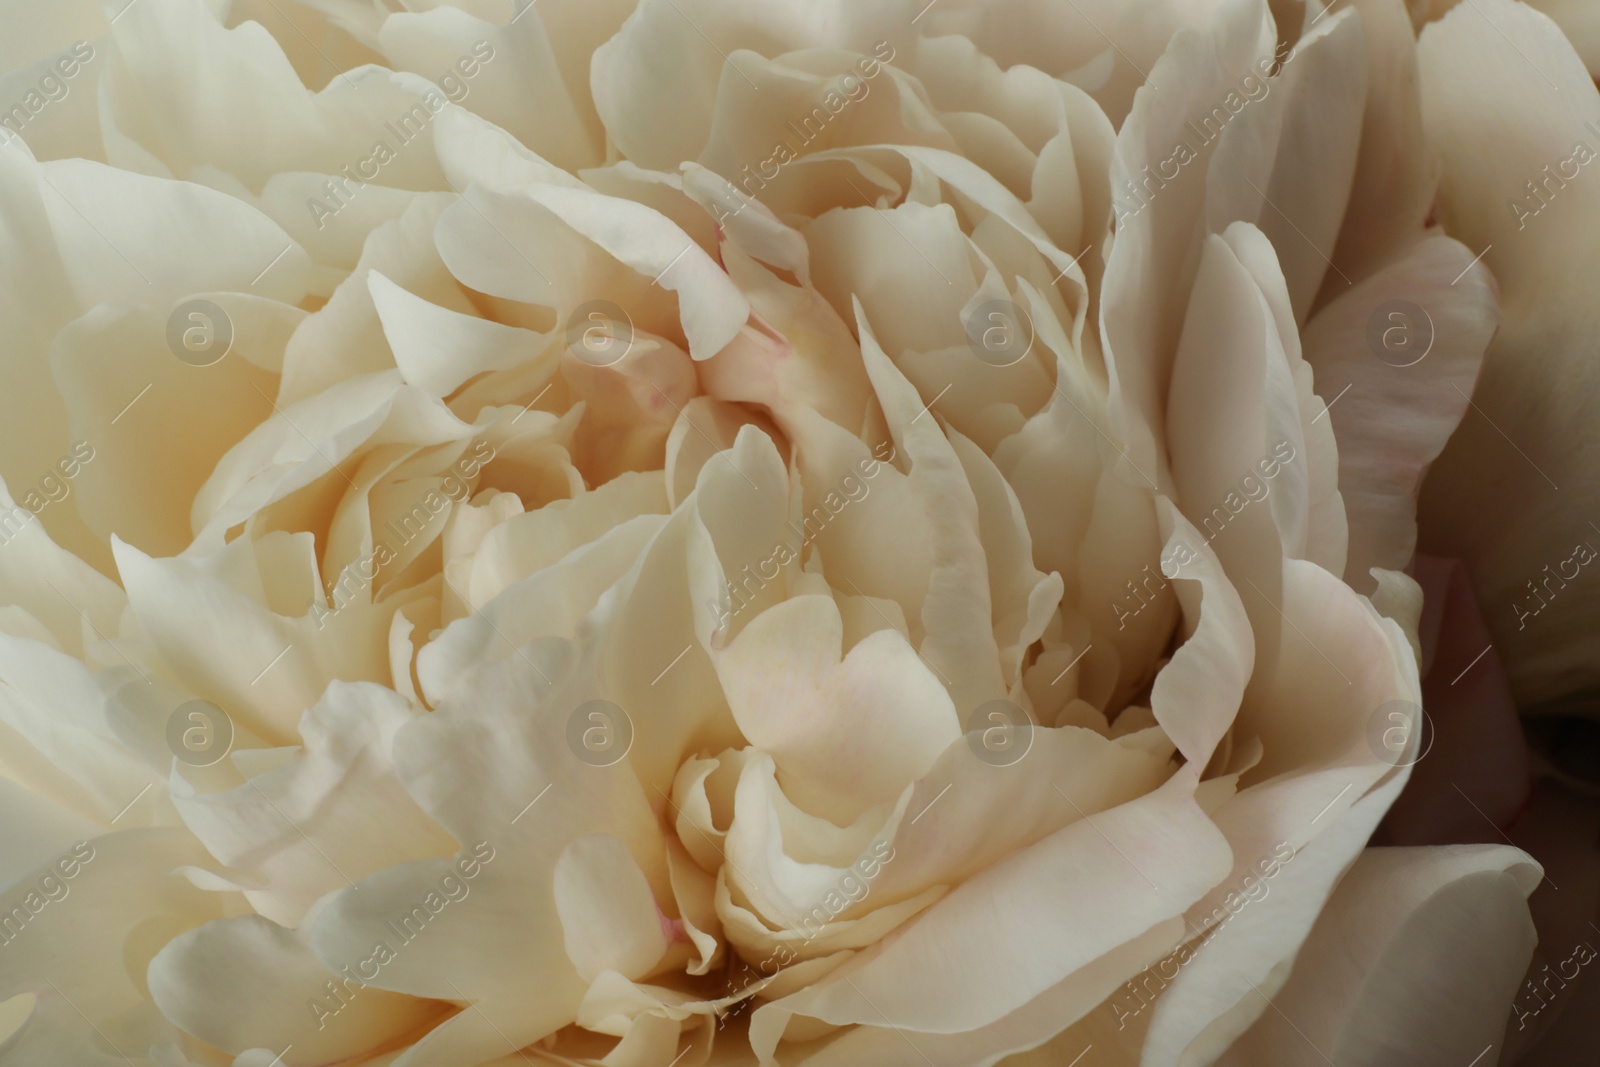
{"type": "Point", "coordinates": [1218, 993]}
{"type": "Point", "coordinates": [1496, 128]}
{"type": "Point", "coordinates": [1367, 988]}
{"type": "Point", "coordinates": [847, 730]}
{"type": "Point", "coordinates": [1006, 931]}
{"type": "Point", "coordinates": [1155, 254]}
{"type": "Point", "coordinates": [337, 797]}
{"type": "Point", "coordinates": [286, 997]}
{"type": "Point", "coordinates": [608, 916]}
{"type": "Point", "coordinates": [1395, 419]}
{"type": "Point", "coordinates": [85, 971]}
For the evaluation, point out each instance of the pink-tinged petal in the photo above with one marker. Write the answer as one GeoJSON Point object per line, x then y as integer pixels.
{"type": "Point", "coordinates": [797, 359]}
{"type": "Point", "coordinates": [1396, 357]}
{"type": "Point", "coordinates": [848, 730]}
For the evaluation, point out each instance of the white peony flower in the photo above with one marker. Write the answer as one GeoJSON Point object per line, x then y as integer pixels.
{"type": "Point", "coordinates": [685, 532]}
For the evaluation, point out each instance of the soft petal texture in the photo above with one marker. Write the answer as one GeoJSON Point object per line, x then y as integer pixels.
{"type": "Point", "coordinates": [749, 533]}
{"type": "Point", "coordinates": [1372, 964]}
{"type": "Point", "coordinates": [1495, 128]}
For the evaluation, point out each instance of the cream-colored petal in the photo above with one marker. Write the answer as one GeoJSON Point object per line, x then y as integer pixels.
{"type": "Point", "coordinates": [87, 951]}
{"type": "Point", "coordinates": [1002, 938]}
{"type": "Point", "coordinates": [1392, 191]}
{"type": "Point", "coordinates": [509, 74]}
{"type": "Point", "coordinates": [438, 348]}
{"type": "Point", "coordinates": [284, 997]}
{"type": "Point", "coordinates": [956, 613]}
{"type": "Point", "coordinates": [847, 730]}
{"type": "Point", "coordinates": [633, 77]}
{"type": "Point", "coordinates": [155, 425]}
{"type": "Point", "coordinates": [1415, 960]}
{"type": "Point", "coordinates": [609, 920]}
{"type": "Point", "coordinates": [1496, 128]}
{"type": "Point", "coordinates": [1198, 693]}
{"type": "Point", "coordinates": [1155, 252]}
{"type": "Point", "coordinates": [1287, 153]}
{"type": "Point", "coordinates": [333, 813]}
{"type": "Point", "coordinates": [1266, 916]}
{"type": "Point", "coordinates": [259, 665]}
